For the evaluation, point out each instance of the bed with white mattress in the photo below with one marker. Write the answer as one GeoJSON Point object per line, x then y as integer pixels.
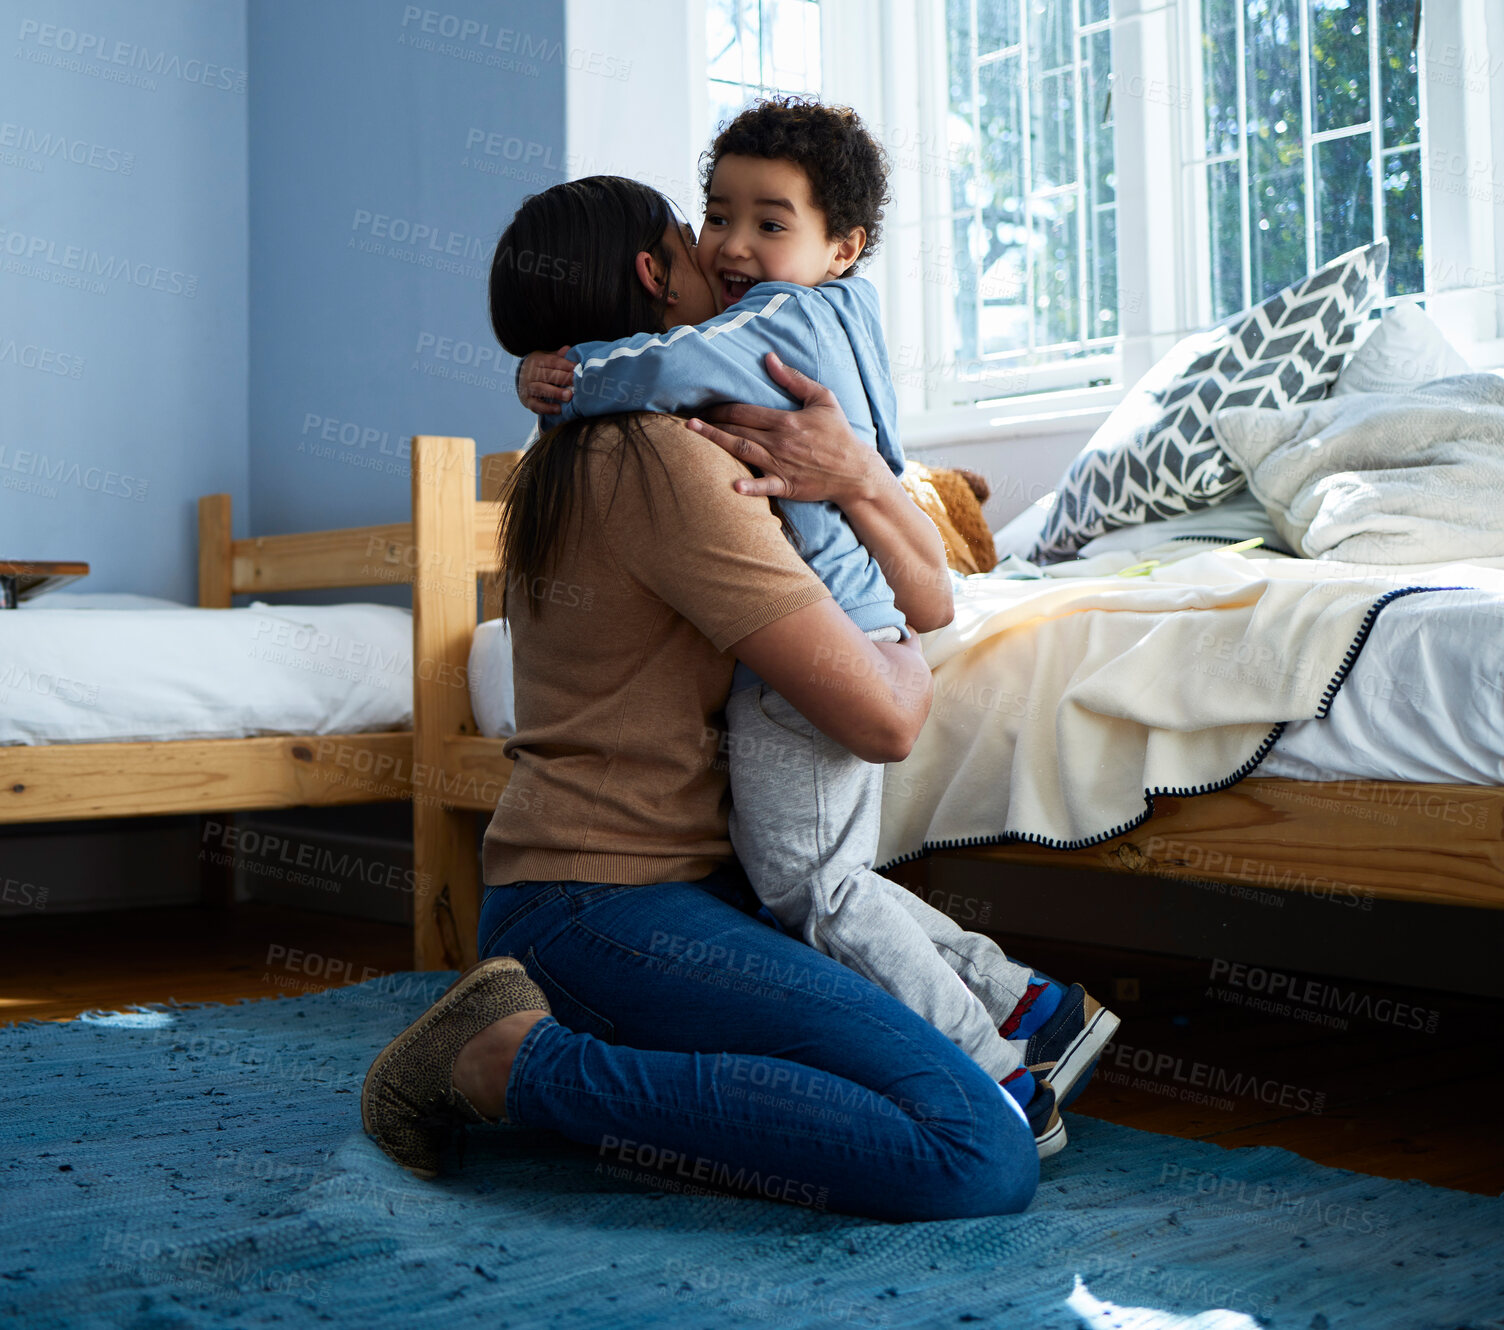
{"type": "Point", "coordinates": [1423, 702]}
{"type": "Point", "coordinates": [101, 668]}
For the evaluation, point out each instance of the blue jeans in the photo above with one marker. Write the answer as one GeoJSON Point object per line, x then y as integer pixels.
{"type": "Point", "coordinates": [692, 1043]}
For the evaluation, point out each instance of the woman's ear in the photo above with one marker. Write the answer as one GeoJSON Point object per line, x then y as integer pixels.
{"type": "Point", "coordinates": [848, 251]}
{"type": "Point", "coordinates": [650, 274]}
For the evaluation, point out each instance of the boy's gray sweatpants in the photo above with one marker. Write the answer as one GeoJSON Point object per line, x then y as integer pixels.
{"type": "Point", "coordinates": [804, 824]}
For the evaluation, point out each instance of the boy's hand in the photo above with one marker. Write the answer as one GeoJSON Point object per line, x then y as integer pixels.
{"type": "Point", "coordinates": [545, 381]}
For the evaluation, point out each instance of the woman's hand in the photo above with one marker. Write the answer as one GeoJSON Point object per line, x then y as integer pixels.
{"type": "Point", "coordinates": [813, 454]}
{"type": "Point", "coordinates": [545, 380]}
{"type": "Point", "coordinates": [807, 454]}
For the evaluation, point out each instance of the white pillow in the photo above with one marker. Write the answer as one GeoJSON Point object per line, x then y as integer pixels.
{"type": "Point", "coordinates": [1239, 518]}
{"type": "Point", "coordinates": [1155, 456]}
{"type": "Point", "coordinates": [1022, 533]}
{"type": "Point", "coordinates": [492, 697]}
{"type": "Point", "coordinates": [1406, 350]}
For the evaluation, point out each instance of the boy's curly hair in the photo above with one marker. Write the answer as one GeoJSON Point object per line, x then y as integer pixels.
{"type": "Point", "coordinates": [846, 167]}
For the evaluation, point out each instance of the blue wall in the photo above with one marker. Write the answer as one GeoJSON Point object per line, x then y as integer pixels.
{"type": "Point", "coordinates": [122, 282]}
{"type": "Point", "coordinates": [260, 282]}
{"type": "Point", "coordinates": [389, 145]}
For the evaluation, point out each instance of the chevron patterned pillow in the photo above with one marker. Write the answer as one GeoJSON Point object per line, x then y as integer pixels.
{"type": "Point", "coordinates": [1155, 456]}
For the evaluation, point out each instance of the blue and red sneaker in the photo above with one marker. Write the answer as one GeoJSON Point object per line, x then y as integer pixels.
{"type": "Point", "coordinates": [1035, 1098]}
{"type": "Point", "coordinates": [1059, 1034]}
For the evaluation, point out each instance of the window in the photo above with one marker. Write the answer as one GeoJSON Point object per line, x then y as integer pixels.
{"type": "Point", "coordinates": [1309, 142]}
{"type": "Point", "coordinates": [1079, 183]}
{"type": "Point", "coordinates": [1032, 230]}
{"type": "Point", "coordinates": [758, 47]}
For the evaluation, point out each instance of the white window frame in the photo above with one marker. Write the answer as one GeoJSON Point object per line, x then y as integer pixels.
{"type": "Point", "coordinates": [1162, 223]}
{"type": "Point", "coordinates": [875, 57]}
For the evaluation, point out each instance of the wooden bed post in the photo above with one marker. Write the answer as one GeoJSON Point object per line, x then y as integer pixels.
{"type": "Point", "coordinates": [214, 552]}
{"type": "Point", "coordinates": [216, 871]}
{"type": "Point", "coordinates": [446, 905]}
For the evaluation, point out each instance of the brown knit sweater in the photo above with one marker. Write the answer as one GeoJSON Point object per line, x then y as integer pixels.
{"type": "Point", "coordinates": [621, 681]}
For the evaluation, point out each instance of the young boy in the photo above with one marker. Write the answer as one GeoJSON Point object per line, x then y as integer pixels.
{"type": "Point", "coordinates": [794, 194]}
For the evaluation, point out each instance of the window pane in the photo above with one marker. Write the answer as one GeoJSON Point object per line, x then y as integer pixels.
{"type": "Point", "coordinates": [997, 25]}
{"type": "Point", "coordinates": [1339, 63]}
{"type": "Point", "coordinates": [1002, 112]}
{"type": "Point", "coordinates": [1057, 306]}
{"type": "Point", "coordinates": [1052, 35]}
{"type": "Point", "coordinates": [964, 269]}
{"type": "Point", "coordinates": [1053, 146]}
{"type": "Point", "coordinates": [755, 48]}
{"type": "Point", "coordinates": [958, 54]}
{"type": "Point", "coordinates": [1002, 282]}
{"type": "Point", "coordinates": [1101, 176]}
{"type": "Point", "coordinates": [733, 35]}
{"type": "Point", "coordinates": [1101, 188]}
{"type": "Point", "coordinates": [1024, 205]}
{"type": "Point", "coordinates": [1102, 273]}
{"type": "Point", "coordinates": [1219, 59]}
{"type": "Point", "coordinates": [1275, 164]}
{"type": "Point", "coordinates": [1400, 90]}
{"type": "Point", "coordinates": [1343, 179]}
{"type": "Point", "coordinates": [791, 45]}
{"type": "Point", "coordinates": [1402, 222]}
{"type": "Point", "coordinates": [1225, 211]}
{"type": "Point", "coordinates": [726, 99]}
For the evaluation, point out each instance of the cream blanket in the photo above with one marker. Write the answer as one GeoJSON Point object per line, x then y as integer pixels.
{"type": "Point", "coordinates": [1060, 703]}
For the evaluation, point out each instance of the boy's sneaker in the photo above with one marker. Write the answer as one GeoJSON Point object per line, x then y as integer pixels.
{"type": "Point", "coordinates": [1040, 1111]}
{"type": "Point", "coordinates": [1064, 1047]}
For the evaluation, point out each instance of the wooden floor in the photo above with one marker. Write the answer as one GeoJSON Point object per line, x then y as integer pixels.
{"type": "Point", "coordinates": [1397, 1102]}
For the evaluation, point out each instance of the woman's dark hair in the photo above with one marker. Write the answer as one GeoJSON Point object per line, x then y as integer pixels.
{"type": "Point", "coordinates": [563, 273]}
{"type": "Point", "coordinates": [846, 167]}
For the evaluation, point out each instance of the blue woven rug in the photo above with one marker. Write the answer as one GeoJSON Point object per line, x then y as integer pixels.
{"type": "Point", "coordinates": [204, 1166]}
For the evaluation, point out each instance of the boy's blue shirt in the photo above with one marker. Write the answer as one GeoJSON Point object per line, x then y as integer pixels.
{"type": "Point", "coordinates": [830, 332]}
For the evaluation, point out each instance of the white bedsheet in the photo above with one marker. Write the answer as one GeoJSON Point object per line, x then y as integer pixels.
{"type": "Point", "coordinates": [1424, 701]}
{"type": "Point", "coordinates": [94, 675]}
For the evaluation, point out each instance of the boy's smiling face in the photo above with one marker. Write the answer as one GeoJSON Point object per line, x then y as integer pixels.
{"type": "Point", "coordinates": [762, 226]}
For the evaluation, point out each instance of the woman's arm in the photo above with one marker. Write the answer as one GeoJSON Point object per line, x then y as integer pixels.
{"type": "Point", "coordinates": [813, 454]}
{"type": "Point", "coordinates": [870, 697]}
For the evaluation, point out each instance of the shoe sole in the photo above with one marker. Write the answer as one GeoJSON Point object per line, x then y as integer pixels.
{"type": "Point", "coordinates": [1082, 1051]}
{"type": "Point", "coordinates": [1052, 1141]}
{"type": "Point", "coordinates": [452, 996]}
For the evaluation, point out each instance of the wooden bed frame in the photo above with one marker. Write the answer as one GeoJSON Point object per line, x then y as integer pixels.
{"type": "Point", "coordinates": [60, 782]}
{"type": "Point", "coordinates": [1436, 843]}
{"type": "Point", "coordinates": [1350, 839]}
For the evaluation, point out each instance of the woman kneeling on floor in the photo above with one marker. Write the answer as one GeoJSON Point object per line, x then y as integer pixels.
{"type": "Point", "coordinates": [629, 994]}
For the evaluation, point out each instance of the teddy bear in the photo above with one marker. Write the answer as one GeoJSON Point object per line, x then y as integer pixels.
{"type": "Point", "coordinates": [952, 498]}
